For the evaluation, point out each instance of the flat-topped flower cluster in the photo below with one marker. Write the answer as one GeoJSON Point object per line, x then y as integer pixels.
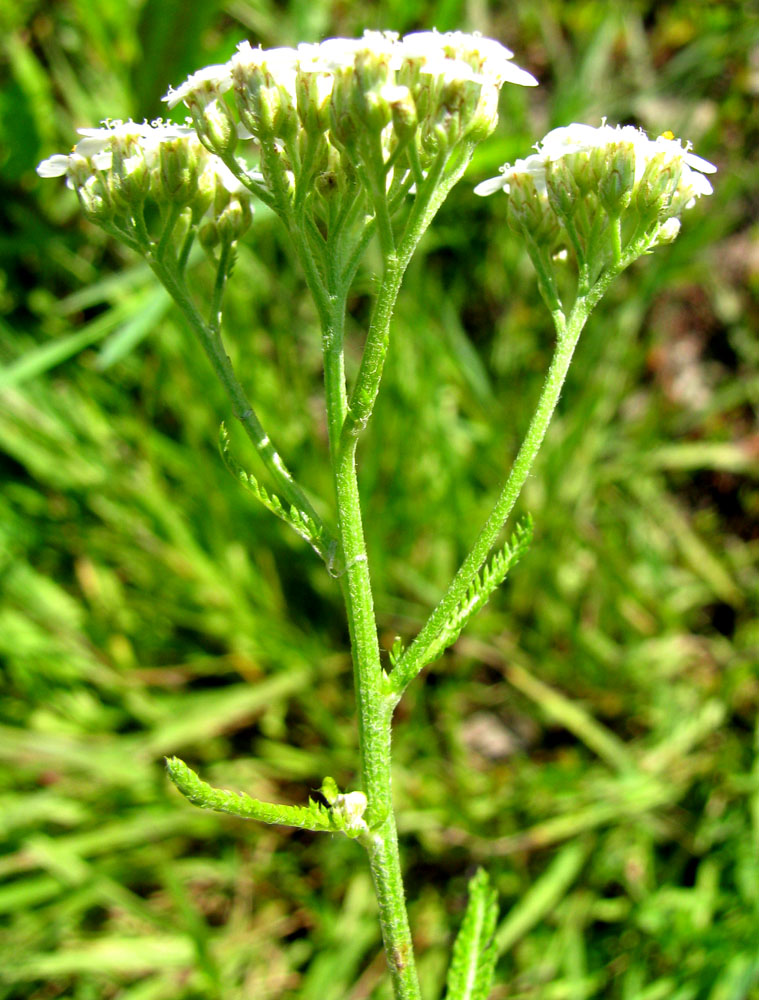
{"type": "Point", "coordinates": [376, 113]}
{"type": "Point", "coordinates": [346, 127]}
{"type": "Point", "coordinates": [122, 168]}
{"type": "Point", "coordinates": [443, 84]}
{"type": "Point", "coordinates": [579, 173]}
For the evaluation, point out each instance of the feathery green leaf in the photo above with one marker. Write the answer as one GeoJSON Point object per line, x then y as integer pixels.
{"type": "Point", "coordinates": [487, 580]}
{"type": "Point", "coordinates": [299, 520]}
{"type": "Point", "coordinates": [343, 817]}
{"type": "Point", "coordinates": [473, 961]}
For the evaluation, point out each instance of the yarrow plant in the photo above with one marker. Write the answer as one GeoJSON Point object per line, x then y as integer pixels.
{"type": "Point", "coordinates": [351, 141]}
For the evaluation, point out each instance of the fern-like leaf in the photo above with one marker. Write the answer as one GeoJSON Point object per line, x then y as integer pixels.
{"type": "Point", "coordinates": [298, 520]}
{"type": "Point", "coordinates": [487, 580]}
{"type": "Point", "coordinates": [344, 817]}
{"type": "Point", "coordinates": [471, 971]}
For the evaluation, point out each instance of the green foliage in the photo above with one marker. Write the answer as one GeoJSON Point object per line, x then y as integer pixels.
{"type": "Point", "coordinates": [150, 607]}
{"type": "Point", "coordinates": [314, 817]}
{"type": "Point", "coordinates": [473, 960]}
{"type": "Point", "coordinates": [299, 520]}
{"type": "Point", "coordinates": [490, 577]}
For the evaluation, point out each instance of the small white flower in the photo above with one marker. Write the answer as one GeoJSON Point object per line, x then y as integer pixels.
{"type": "Point", "coordinates": [491, 185]}
{"type": "Point", "coordinates": [485, 48]}
{"type": "Point", "coordinates": [674, 147]}
{"type": "Point", "coordinates": [279, 64]}
{"type": "Point", "coordinates": [668, 230]}
{"type": "Point", "coordinates": [574, 138]}
{"type": "Point", "coordinates": [352, 806]}
{"type": "Point", "coordinates": [282, 60]}
{"type": "Point", "coordinates": [394, 94]}
{"type": "Point", "coordinates": [509, 72]}
{"type": "Point", "coordinates": [452, 70]}
{"type": "Point", "coordinates": [201, 87]}
{"type": "Point", "coordinates": [487, 58]}
{"type": "Point", "coordinates": [329, 56]}
{"type": "Point", "coordinates": [144, 134]}
{"type": "Point", "coordinates": [56, 165]}
{"type": "Point", "coordinates": [579, 138]}
{"type": "Point", "coordinates": [75, 167]}
{"type": "Point", "coordinates": [533, 166]}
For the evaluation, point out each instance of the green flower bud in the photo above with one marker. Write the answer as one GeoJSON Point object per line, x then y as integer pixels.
{"type": "Point", "coordinates": [130, 173]}
{"type": "Point", "coordinates": [485, 117]}
{"type": "Point", "coordinates": [615, 168]}
{"type": "Point", "coordinates": [657, 186]}
{"type": "Point", "coordinates": [232, 212]}
{"type": "Point", "coordinates": [95, 198]}
{"type": "Point", "coordinates": [459, 100]}
{"type": "Point", "coordinates": [216, 127]}
{"type": "Point", "coordinates": [562, 188]}
{"type": "Point", "coordinates": [530, 210]}
{"type": "Point", "coordinates": [207, 180]}
{"type": "Point", "coordinates": [208, 235]}
{"type": "Point", "coordinates": [313, 92]}
{"type": "Point", "coordinates": [403, 112]}
{"type": "Point", "coordinates": [264, 84]}
{"type": "Point", "coordinates": [178, 171]}
{"type": "Point", "coordinates": [234, 220]}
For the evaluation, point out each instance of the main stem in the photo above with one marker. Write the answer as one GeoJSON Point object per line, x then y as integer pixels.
{"type": "Point", "coordinates": [374, 707]}
{"type": "Point", "coordinates": [346, 419]}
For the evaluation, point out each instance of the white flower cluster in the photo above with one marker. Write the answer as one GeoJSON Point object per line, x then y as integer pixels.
{"type": "Point", "coordinates": [439, 87]}
{"type": "Point", "coordinates": [346, 114]}
{"type": "Point", "coordinates": [614, 167]}
{"type": "Point", "coordinates": [119, 167]}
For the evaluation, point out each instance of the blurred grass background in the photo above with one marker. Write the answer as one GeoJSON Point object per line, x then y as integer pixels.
{"type": "Point", "coordinates": [592, 739]}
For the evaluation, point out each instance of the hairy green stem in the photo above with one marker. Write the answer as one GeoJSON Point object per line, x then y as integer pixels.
{"type": "Point", "coordinates": [568, 331]}
{"type": "Point", "coordinates": [442, 176]}
{"type": "Point", "coordinates": [345, 422]}
{"type": "Point", "coordinates": [213, 346]}
{"type": "Point", "coordinates": [416, 656]}
{"type": "Point", "coordinates": [374, 708]}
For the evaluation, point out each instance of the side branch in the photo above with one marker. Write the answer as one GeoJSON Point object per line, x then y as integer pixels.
{"type": "Point", "coordinates": [213, 346]}
{"type": "Point", "coordinates": [419, 654]}
{"type": "Point", "coordinates": [315, 816]}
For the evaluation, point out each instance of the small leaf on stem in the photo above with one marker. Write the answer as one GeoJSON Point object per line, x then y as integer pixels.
{"type": "Point", "coordinates": [473, 961]}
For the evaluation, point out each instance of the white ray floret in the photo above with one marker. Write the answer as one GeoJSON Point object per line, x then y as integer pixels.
{"type": "Point", "coordinates": [203, 86]}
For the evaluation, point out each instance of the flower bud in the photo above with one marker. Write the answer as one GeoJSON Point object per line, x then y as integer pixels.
{"type": "Point", "coordinates": [313, 100]}
{"type": "Point", "coordinates": [657, 186]}
{"type": "Point", "coordinates": [208, 235]}
{"type": "Point", "coordinates": [529, 208]}
{"type": "Point", "coordinates": [615, 167]}
{"type": "Point", "coordinates": [563, 190]}
{"type": "Point", "coordinates": [264, 84]}
{"type": "Point", "coordinates": [459, 99]}
{"type": "Point", "coordinates": [130, 176]}
{"type": "Point", "coordinates": [178, 171]}
{"type": "Point", "coordinates": [204, 196]}
{"type": "Point", "coordinates": [402, 110]}
{"type": "Point", "coordinates": [668, 230]}
{"type": "Point", "coordinates": [234, 219]}
{"type": "Point", "coordinates": [216, 127]}
{"type": "Point", "coordinates": [95, 199]}
{"type": "Point", "coordinates": [485, 117]}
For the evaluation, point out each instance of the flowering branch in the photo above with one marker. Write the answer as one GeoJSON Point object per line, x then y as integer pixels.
{"type": "Point", "coordinates": [349, 141]}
